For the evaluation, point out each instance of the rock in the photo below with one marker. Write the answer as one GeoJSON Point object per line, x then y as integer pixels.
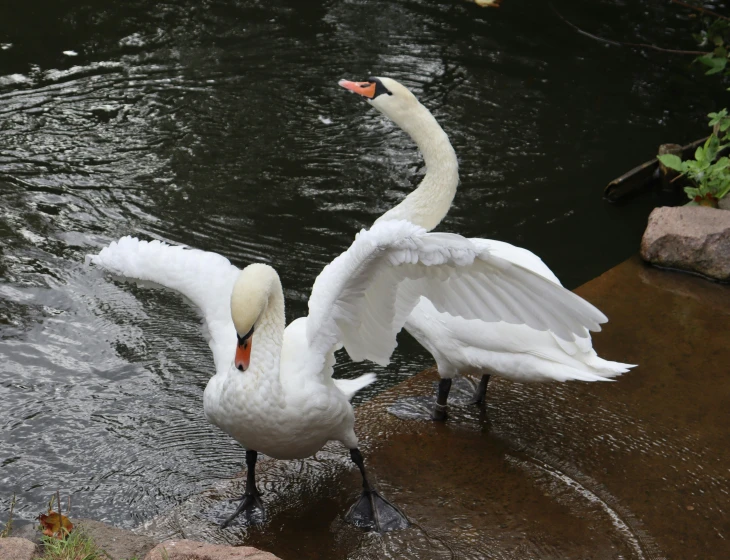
{"type": "Point", "coordinates": [14, 548]}
{"type": "Point", "coordinates": [724, 203]}
{"type": "Point", "coordinates": [193, 550]}
{"type": "Point", "coordinates": [26, 530]}
{"type": "Point", "coordinates": [117, 543]}
{"type": "Point", "coordinates": [692, 238]}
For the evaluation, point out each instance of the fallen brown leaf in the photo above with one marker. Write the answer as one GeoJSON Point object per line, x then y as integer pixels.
{"type": "Point", "coordinates": [55, 525]}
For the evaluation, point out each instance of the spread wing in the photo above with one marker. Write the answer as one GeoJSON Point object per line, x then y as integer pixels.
{"type": "Point", "coordinates": [363, 297]}
{"type": "Point", "coordinates": [205, 278]}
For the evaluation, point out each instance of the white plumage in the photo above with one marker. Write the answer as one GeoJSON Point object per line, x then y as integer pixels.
{"type": "Point", "coordinates": [517, 352]}
{"type": "Point", "coordinates": [273, 389]}
{"type": "Point", "coordinates": [285, 413]}
{"type": "Point", "coordinates": [286, 404]}
{"type": "Point", "coordinates": [478, 344]}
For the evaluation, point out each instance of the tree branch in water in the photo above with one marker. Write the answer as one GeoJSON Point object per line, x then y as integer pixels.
{"type": "Point", "coordinates": [700, 9]}
{"type": "Point", "coordinates": [624, 44]}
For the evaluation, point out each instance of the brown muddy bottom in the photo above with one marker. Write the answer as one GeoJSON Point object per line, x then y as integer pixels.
{"type": "Point", "coordinates": [632, 469]}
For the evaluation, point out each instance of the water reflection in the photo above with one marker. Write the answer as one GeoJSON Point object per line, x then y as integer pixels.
{"type": "Point", "coordinates": [220, 125]}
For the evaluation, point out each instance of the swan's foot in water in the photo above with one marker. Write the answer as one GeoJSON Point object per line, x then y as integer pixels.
{"type": "Point", "coordinates": [481, 390]}
{"type": "Point", "coordinates": [250, 502]}
{"type": "Point", "coordinates": [440, 410]}
{"type": "Point", "coordinates": [371, 510]}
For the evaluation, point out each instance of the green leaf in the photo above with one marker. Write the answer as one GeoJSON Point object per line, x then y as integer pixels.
{"type": "Point", "coordinates": [692, 192]}
{"type": "Point", "coordinates": [718, 67]}
{"type": "Point", "coordinates": [671, 161]}
{"type": "Point", "coordinates": [723, 191]}
{"type": "Point", "coordinates": [711, 147]}
{"type": "Point", "coordinates": [717, 117]}
{"type": "Point", "coordinates": [716, 64]}
{"type": "Point", "coordinates": [700, 154]}
{"type": "Point", "coordinates": [721, 164]}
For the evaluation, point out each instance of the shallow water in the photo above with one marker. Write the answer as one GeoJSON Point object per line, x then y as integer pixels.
{"type": "Point", "coordinates": [634, 469]}
{"type": "Point", "coordinates": [219, 125]}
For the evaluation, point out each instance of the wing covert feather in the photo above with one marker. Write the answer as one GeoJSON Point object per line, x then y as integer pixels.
{"type": "Point", "coordinates": [363, 297]}
{"type": "Point", "coordinates": [204, 278]}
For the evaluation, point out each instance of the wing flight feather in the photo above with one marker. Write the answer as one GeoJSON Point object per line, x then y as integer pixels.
{"type": "Point", "coordinates": [363, 297]}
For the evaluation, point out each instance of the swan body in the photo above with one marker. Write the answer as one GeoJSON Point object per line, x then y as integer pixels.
{"type": "Point", "coordinates": [478, 346]}
{"type": "Point", "coordinates": [286, 405]}
{"type": "Point", "coordinates": [273, 389]}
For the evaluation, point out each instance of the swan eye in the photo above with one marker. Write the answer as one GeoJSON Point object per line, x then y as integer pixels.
{"type": "Point", "coordinates": [380, 88]}
{"type": "Point", "coordinates": [245, 337]}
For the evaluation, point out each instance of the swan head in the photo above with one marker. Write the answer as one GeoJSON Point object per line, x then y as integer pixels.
{"type": "Point", "coordinates": [388, 96]}
{"type": "Point", "coordinates": [249, 300]}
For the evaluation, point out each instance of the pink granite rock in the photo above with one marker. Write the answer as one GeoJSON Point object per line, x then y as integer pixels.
{"type": "Point", "coordinates": [13, 548]}
{"type": "Point", "coordinates": [192, 550]}
{"type": "Point", "coordinates": [693, 238]}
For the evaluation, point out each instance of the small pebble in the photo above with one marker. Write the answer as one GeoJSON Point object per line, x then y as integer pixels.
{"type": "Point", "coordinates": [690, 508]}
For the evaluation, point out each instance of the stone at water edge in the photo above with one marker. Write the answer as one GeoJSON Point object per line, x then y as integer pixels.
{"type": "Point", "coordinates": [116, 543]}
{"type": "Point", "coordinates": [13, 548]}
{"type": "Point", "coordinates": [193, 550]}
{"type": "Point", "coordinates": [693, 238]}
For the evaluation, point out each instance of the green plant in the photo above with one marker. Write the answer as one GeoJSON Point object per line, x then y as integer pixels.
{"type": "Point", "coordinates": [716, 36]}
{"type": "Point", "coordinates": [9, 525]}
{"type": "Point", "coordinates": [709, 171]}
{"type": "Point", "coordinates": [76, 546]}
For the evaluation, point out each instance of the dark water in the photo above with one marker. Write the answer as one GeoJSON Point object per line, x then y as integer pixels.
{"type": "Point", "coordinates": [219, 124]}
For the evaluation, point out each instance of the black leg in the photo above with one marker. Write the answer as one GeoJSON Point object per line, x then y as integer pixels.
{"type": "Point", "coordinates": [371, 510]}
{"type": "Point", "coordinates": [440, 409]}
{"type": "Point", "coordinates": [481, 390]}
{"type": "Point", "coordinates": [250, 500]}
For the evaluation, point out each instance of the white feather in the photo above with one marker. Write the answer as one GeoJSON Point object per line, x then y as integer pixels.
{"type": "Point", "coordinates": [204, 278]}
{"type": "Point", "coordinates": [363, 297]}
{"type": "Point", "coordinates": [473, 342]}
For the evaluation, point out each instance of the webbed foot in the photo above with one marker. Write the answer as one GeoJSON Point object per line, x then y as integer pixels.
{"type": "Point", "coordinates": [372, 511]}
{"type": "Point", "coordinates": [252, 506]}
{"type": "Point", "coordinates": [250, 502]}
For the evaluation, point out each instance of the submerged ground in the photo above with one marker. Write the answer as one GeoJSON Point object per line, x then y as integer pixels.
{"type": "Point", "coordinates": [219, 124]}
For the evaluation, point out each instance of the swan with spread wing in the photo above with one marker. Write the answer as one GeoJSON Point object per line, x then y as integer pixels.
{"type": "Point", "coordinates": [479, 346]}
{"type": "Point", "coordinates": [273, 389]}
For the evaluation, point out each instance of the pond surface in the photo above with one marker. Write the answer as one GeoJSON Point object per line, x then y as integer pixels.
{"type": "Point", "coordinates": [219, 124]}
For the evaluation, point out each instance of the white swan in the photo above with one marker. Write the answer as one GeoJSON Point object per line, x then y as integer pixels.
{"type": "Point", "coordinates": [273, 389]}
{"type": "Point", "coordinates": [473, 347]}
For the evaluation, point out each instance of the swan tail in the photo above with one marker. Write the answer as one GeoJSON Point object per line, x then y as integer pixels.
{"type": "Point", "coordinates": [574, 374]}
{"type": "Point", "coordinates": [536, 366]}
{"type": "Point", "coordinates": [607, 368]}
{"type": "Point", "coordinates": [351, 386]}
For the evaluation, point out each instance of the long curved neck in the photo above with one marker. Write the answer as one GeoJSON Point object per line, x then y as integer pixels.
{"type": "Point", "coordinates": [268, 338]}
{"type": "Point", "coordinates": [430, 202]}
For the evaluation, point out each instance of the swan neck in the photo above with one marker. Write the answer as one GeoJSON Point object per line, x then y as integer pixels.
{"type": "Point", "coordinates": [267, 340]}
{"type": "Point", "coordinates": [427, 205]}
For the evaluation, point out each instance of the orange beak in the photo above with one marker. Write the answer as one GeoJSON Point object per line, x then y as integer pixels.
{"type": "Point", "coordinates": [243, 355]}
{"type": "Point", "coordinates": [366, 89]}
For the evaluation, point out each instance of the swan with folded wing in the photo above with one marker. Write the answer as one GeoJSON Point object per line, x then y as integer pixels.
{"type": "Point", "coordinates": [479, 346]}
